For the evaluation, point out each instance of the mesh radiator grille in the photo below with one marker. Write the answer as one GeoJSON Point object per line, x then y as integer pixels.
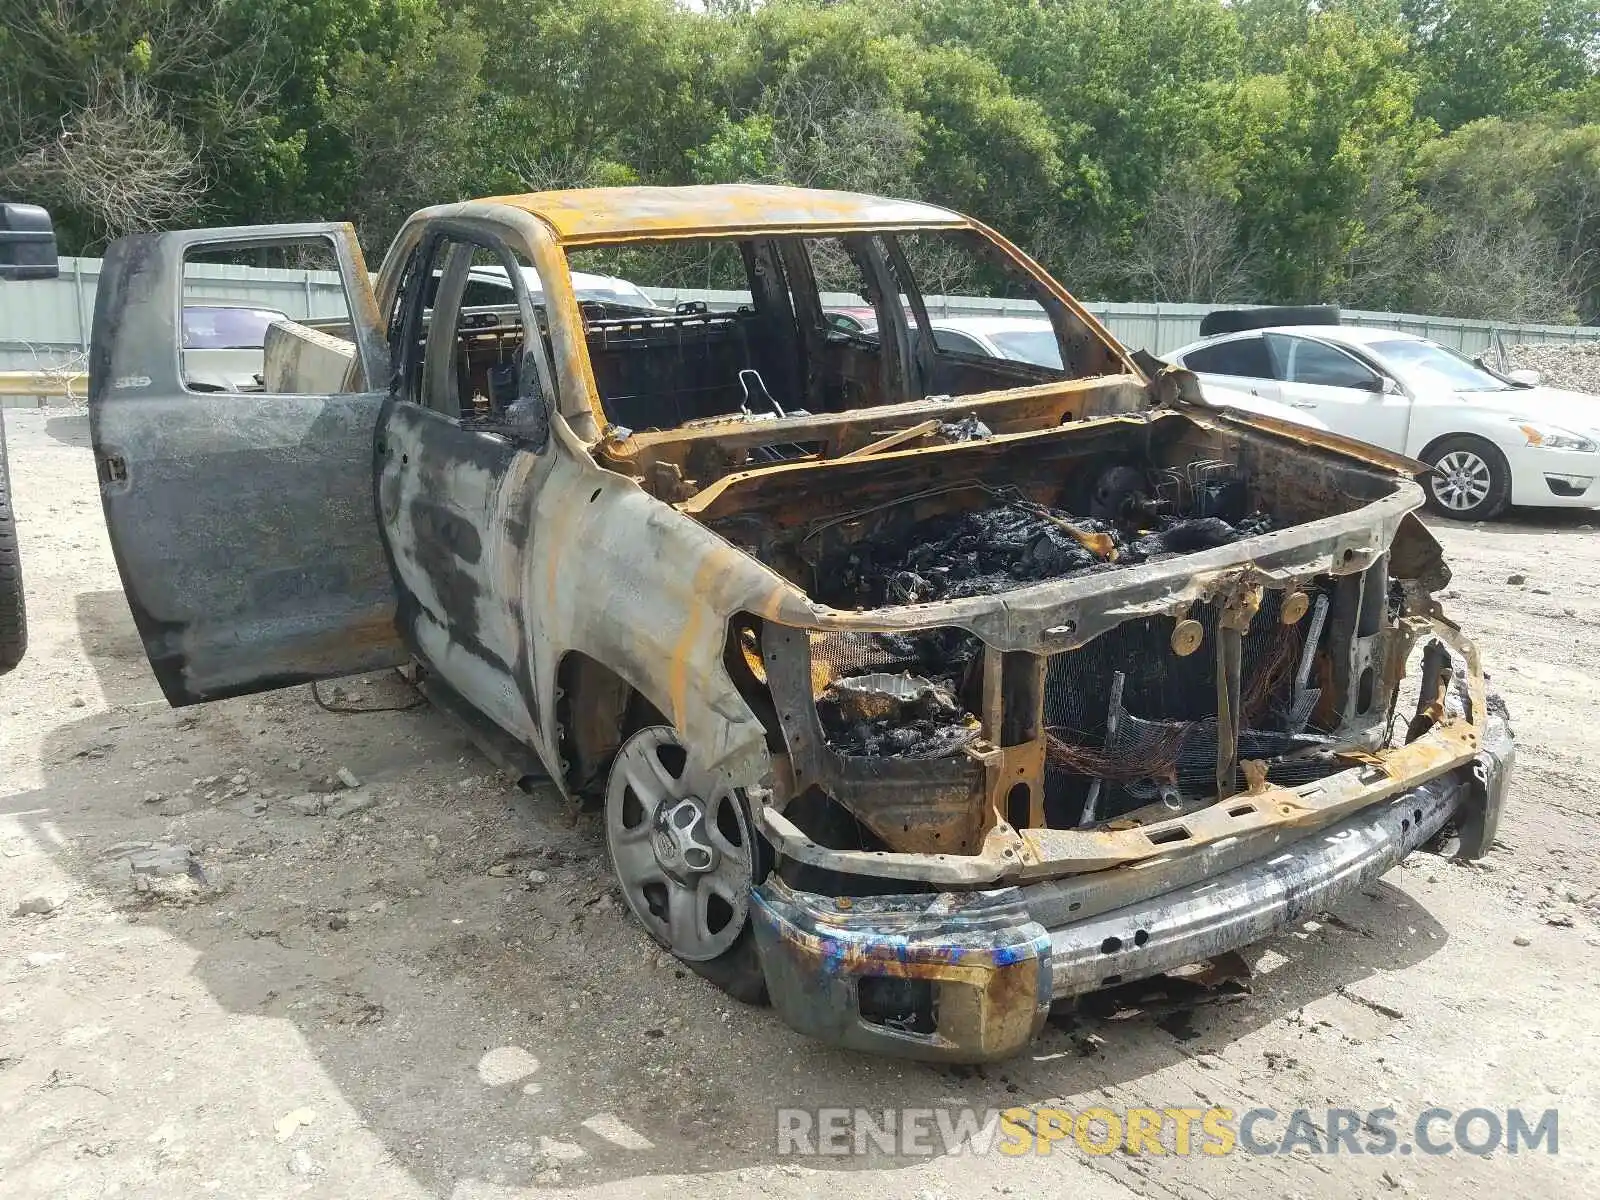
{"type": "Point", "coordinates": [1168, 730]}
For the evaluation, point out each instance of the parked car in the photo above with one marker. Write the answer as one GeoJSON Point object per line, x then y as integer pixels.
{"type": "Point", "coordinates": [916, 690]}
{"type": "Point", "coordinates": [1031, 339]}
{"type": "Point", "coordinates": [1491, 439]}
{"type": "Point", "coordinates": [1025, 339]}
{"type": "Point", "coordinates": [27, 251]}
{"type": "Point", "coordinates": [223, 344]}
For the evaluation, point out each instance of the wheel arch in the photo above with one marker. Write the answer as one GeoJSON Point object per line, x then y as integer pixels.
{"type": "Point", "coordinates": [596, 707]}
{"type": "Point", "coordinates": [1438, 440]}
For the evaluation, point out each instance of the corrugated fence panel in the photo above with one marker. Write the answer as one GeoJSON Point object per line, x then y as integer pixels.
{"type": "Point", "coordinates": [47, 322]}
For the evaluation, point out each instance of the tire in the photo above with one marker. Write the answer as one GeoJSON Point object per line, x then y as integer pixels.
{"type": "Point", "coordinates": [649, 784]}
{"type": "Point", "coordinates": [1470, 480]}
{"type": "Point", "coordinates": [1237, 320]}
{"type": "Point", "coordinates": [13, 613]}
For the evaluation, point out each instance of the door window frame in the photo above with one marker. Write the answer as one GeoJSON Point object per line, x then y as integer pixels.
{"type": "Point", "coordinates": [1284, 364]}
{"type": "Point", "coordinates": [438, 247]}
{"type": "Point", "coordinates": [1239, 341]}
{"type": "Point", "coordinates": [371, 356]}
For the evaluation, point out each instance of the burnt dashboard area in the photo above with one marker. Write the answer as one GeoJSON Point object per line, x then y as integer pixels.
{"type": "Point", "coordinates": [1182, 704]}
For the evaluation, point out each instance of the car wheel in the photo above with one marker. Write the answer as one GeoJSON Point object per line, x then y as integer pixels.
{"type": "Point", "coordinates": [13, 614]}
{"type": "Point", "coordinates": [685, 851]}
{"type": "Point", "coordinates": [1470, 480]}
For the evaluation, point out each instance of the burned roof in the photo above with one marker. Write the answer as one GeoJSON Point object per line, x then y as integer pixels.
{"type": "Point", "coordinates": [585, 215]}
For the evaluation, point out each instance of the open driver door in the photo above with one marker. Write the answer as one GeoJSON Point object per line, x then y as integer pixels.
{"type": "Point", "coordinates": [243, 521]}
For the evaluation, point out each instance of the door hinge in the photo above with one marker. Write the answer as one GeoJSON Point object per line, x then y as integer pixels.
{"type": "Point", "coordinates": [114, 468]}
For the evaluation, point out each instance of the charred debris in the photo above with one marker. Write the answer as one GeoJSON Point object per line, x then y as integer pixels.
{"type": "Point", "coordinates": [913, 695]}
{"type": "Point", "coordinates": [1016, 540]}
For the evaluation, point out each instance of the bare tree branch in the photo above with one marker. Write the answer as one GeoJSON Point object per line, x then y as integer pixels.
{"type": "Point", "coordinates": [1188, 247]}
{"type": "Point", "coordinates": [114, 104]}
{"type": "Point", "coordinates": [1517, 274]}
{"type": "Point", "coordinates": [117, 161]}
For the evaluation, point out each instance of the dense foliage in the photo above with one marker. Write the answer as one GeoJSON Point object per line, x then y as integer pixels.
{"type": "Point", "coordinates": [1441, 155]}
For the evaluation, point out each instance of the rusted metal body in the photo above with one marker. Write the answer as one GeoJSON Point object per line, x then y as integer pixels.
{"type": "Point", "coordinates": [571, 580]}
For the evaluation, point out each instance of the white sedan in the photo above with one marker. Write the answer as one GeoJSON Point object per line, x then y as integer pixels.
{"type": "Point", "coordinates": [1032, 340]}
{"type": "Point", "coordinates": [1491, 440]}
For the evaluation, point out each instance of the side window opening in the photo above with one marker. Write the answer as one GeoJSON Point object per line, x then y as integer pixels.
{"type": "Point", "coordinates": [484, 349]}
{"type": "Point", "coordinates": [269, 317]}
{"type": "Point", "coordinates": [1245, 357]}
{"type": "Point", "coordinates": [1308, 361]}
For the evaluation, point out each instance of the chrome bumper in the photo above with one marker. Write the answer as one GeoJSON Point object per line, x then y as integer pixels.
{"type": "Point", "coordinates": [969, 977]}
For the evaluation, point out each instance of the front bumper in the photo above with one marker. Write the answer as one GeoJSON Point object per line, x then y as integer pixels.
{"type": "Point", "coordinates": [970, 976]}
{"type": "Point", "coordinates": [1542, 478]}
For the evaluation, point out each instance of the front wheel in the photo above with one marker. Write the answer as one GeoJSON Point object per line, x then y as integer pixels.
{"type": "Point", "coordinates": [1470, 480]}
{"type": "Point", "coordinates": [13, 611]}
{"type": "Point", "coordinates": [685, 852]}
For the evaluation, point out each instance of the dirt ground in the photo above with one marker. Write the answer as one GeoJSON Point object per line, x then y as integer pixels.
{"type": "Point", "coordinates": [377, 1000]}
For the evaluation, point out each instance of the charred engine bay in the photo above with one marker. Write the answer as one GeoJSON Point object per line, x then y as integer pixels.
{"type": "Point", "coordinates": [1016, 540]}
{"type": "Point", "coordinates": [911, 703]}
{"type": "Point", "coordinates": [1128, 720]}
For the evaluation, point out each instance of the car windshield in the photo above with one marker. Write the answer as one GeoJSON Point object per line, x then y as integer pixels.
{"type": "Point", "coordinates": [206, 328]}
{"type": "Point", "coordinates": [489, 287]}
{"type": "Point", "coordinates": [1428, 364]}
{"type": "Point", "coordinates": [607, 291]}
{"type": "Point", "coordinates": [1030, 345]}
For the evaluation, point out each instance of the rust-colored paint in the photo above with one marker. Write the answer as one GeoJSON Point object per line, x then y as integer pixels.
{"type": "Point", "coordinates": [663, 459]}
{"type": "Point", "coordinates": [581, 216]}
{"type": "Point", "coordinates": [686, 652]}
{"type": "Point", "coordinates": [372, 631]}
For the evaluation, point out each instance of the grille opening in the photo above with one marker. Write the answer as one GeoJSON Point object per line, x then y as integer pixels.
{"type": "Point", "coordinates": [904, 1005]}
{"type": "Point", "coordinates": [1018, 802]}
{"type": "Point", "coordinates": [977, 519]}
{"type": "Point", "coordinates": [898, 695]}
{"type": "Point", "coordinates": [1132, 725]}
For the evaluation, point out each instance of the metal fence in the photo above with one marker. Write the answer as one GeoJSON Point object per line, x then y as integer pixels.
{"type": "Point", "coordinates": [45, 325]}
{"type": "Point", "coordinates": [1160, 328]}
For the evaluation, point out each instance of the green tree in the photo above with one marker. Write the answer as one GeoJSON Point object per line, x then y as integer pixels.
{"type": "Point", "coordinates": [1326, 148]}
{"type": "Point", "coordinates": [1515, 220]}
{"type": "Point", "coordinates": [1508, 58]}
{"type": "Point", "coordinates": [409, 120]}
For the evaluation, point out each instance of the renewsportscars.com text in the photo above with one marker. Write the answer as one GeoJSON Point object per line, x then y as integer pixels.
{"type": "Point", "coordinates": [1213, 1131]}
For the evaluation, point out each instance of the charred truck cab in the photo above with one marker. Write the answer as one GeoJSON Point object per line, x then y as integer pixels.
{"type": "Point", "coordinates": [918, 689]}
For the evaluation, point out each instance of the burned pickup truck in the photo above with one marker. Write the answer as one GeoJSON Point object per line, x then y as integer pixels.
{"type": "Point", "coordinates": [919, 690]}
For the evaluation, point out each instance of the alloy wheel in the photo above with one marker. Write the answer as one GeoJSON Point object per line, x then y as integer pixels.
{"type": "Point", "coordinates": [680, 844]}
{"type": "Point", "coordinates": [1461, 481]}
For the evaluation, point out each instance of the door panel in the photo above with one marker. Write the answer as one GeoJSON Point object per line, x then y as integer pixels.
{"type": "Point", "coordinates": [456, 505]}
{"type": "Point", "coordinates": [243, 523]}
{"type": "Point", "coordinates": [1240, 364]}
{"type": "Point", "coordinates": [1339, 390]}
{"type": "Point", "coordinates": [458, 470]}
